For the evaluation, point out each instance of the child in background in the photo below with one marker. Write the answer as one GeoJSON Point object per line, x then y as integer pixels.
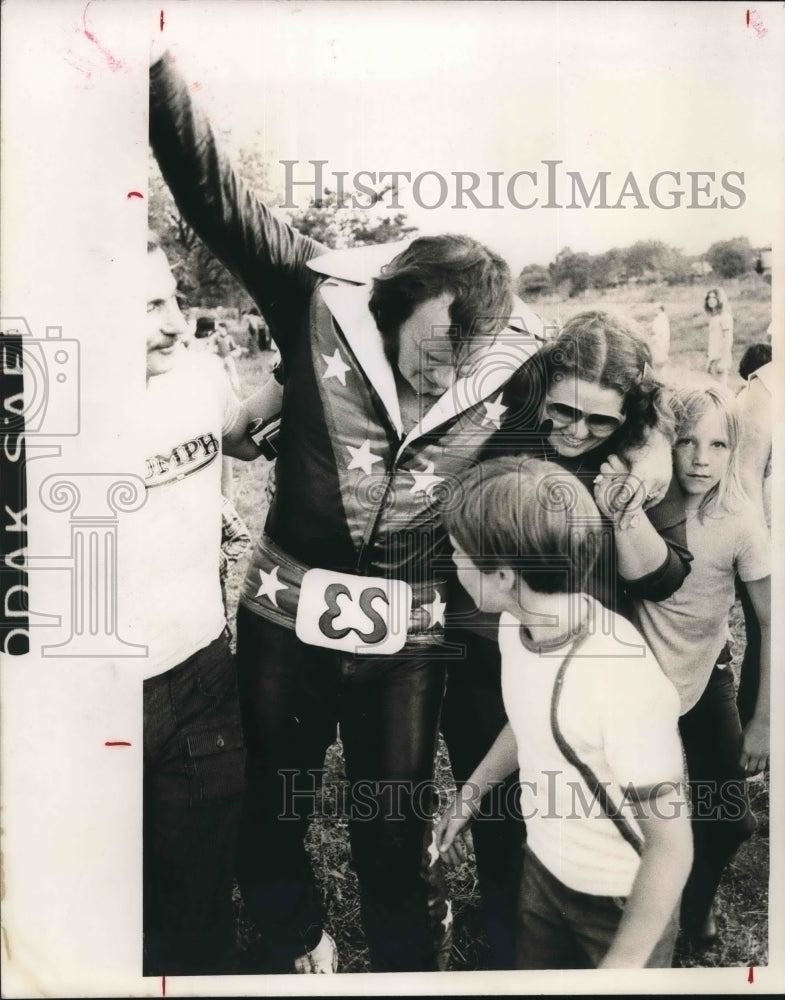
{"type": "Point", "coordinates": [687, 631]}
{"type": "Point", "coordinates": [660, 340]}
{"type": "Point", "coordinates": [720, 333]}
{"type": "Point", "coordinates": [592, 727]}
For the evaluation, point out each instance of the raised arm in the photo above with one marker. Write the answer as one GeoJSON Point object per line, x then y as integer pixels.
{"type": "Point", "coordinates": [264, 253]}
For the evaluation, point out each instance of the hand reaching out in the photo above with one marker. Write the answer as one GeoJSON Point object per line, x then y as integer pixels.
{"type": "Point", "coordinates": [452, 837]}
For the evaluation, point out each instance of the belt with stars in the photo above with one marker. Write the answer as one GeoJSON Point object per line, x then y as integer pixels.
{"type": "Point", "coordinates": [272, 589]}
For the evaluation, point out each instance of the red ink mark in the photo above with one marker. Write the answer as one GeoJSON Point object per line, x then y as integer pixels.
{"type": "Point", "coordinates": [750, 978]}
{"type": "Point", "coordinates": [134, 194]}
{"type": "Point", "coordinates": [77, 63]}
{"type": "Point", "coordinates": [162, 20]}
{"type": "Point", "coordinates": [754, 19]}
{"type": "Point", "coordinates": [116, 743]}
{"type": "Point", "coordinates": [163, 986]}
{"type": "Point", "coordinates": [113, 63]}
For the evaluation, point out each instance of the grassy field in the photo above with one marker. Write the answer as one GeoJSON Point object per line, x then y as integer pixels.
{"type": "Point", "coordinates": [743, 896]}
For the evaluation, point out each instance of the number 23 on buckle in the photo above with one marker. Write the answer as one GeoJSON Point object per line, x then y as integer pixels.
{"type": "Point", "coordinates": [366, 615]}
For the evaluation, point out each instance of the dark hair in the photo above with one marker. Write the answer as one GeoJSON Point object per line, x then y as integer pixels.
{"type": "Point", "coordinates": [531, 515]}
{"type": "Point", "coordinates": [605, 348]}
{"type": "Point", "coordinates": [755, 357]}
{"type": "Point", "coordinates": [478, 278]}
{"type": "Point", "coordinates": [205, 325]}
{"type": "Point", "coordinates": [153, 241]}
{"type": "Point", "coordinates": [722, 301]}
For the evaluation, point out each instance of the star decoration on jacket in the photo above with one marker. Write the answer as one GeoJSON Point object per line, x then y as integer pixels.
{"type": "Point", "coordinates": [336, 367]}
{"type": "Point", "coordinates": [435, 610]}
{"type": "Point", "coordinates": [494, 411]}
{"type": "Point", "coordinates": [270, 585]}
{"type": "Point", "coordinates": [363, 458]}
{"type": "Point", "coordinates": [425, 481]}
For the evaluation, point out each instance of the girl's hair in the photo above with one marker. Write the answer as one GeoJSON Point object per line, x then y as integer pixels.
{"type": "Point", "coordinates": [690, 403]}
{"type": "Point", "coordinates": [531, 515]}
{"type": "Point", "coordinates": [602, 347]}
{"type": "Point", "coordinates": [722, 301]}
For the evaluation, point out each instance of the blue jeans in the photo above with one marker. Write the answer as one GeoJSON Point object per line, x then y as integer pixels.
{"type": "Point", "coordinates": [561, 928]}
{"type": "Point", "coordinates": [193, 781]}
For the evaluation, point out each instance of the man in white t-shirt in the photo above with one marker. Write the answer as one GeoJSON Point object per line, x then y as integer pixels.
{"type": "Point", "coordinates": [194, 755]}
{"type": "Point", "coordinates": [592, 728]}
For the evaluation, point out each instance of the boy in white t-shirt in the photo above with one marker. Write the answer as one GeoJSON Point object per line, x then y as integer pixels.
{"type": "Point", "coordinates": [592, 728]}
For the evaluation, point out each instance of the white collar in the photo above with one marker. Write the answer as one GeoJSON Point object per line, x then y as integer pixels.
{"type": "Point", "coordinates": [493, 368]}
{"type": "Point", "coordinates": [346, 291]}
{"type": "Point", "coordinates": [349, 306]}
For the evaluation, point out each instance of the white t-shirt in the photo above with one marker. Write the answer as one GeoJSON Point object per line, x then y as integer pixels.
{"type": "Point", "coordinates": [171, 592]}
{"type": "Point", "coordinates": [619, 713]}
{"type": "Point", "coordinates": [687, 630]}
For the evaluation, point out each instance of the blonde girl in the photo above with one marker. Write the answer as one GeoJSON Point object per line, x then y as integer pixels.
{"type": "Point", "coordinates": [687, 631]}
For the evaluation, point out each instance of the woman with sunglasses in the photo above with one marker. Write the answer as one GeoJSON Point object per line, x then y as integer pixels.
{"type": "Point", "coordinates": [592, 399]}
{"type": "Point", "coordinates": [600, 400]}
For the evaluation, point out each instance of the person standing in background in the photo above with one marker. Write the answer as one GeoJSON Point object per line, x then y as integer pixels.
{"type": "Point", "coordinates": [660, 340]}
{"type": "Point", "coordinates": [720, 333]}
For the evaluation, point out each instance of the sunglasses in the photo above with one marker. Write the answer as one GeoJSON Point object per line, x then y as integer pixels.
{"type": "Point", "coordinates": [600, 424]}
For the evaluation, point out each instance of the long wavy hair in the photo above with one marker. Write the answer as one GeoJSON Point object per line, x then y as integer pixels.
{"type": "Point", "coordinates": [722, 301]}
{"type": "Point", "coordinates": [604, 348]}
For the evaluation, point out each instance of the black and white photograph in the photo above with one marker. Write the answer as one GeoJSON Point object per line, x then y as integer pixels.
{"type": "Point", "coordinates": [392, 411]}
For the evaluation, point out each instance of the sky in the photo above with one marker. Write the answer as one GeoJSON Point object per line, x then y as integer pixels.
{"type": "Point", "coordinates": [503, 87]}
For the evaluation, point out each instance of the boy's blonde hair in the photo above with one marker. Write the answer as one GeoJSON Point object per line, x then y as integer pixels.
{"type": "Point", "coordinates": [531, 515]}
{"type": "Point", "coordinates": [691, 402]}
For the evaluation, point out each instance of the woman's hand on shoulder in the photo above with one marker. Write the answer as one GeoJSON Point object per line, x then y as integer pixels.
{"type": "Point", "coordinates": [652, 463]}
{"type": "Point", "coordinates": [619, 493]}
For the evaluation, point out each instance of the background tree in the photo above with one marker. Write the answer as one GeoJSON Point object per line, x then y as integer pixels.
{"type": "Point", "coordinates": [534, 280]}
{"type": "Point", "coordinates": [340, 225]}
{"type": "Point", "coordinates": [730, 258]}
{"type": "Point", "coordinates": [201, 279]}
{"type": "Point", "coordinates": [651, 261]}
{"type": "Point", "coordinates": [204, 282]}
{"type": "Point", "coordinates": [572, 270]}
{"type": "Point", "coordinates": [609, 269]}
